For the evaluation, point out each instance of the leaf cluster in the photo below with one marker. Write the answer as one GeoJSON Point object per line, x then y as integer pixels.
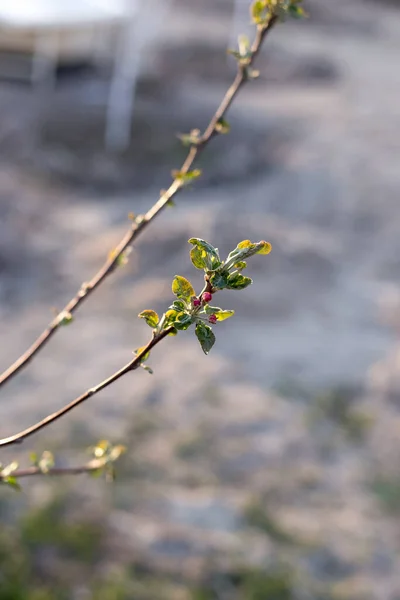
{"type": "Point", "coordinates": [191, 309]}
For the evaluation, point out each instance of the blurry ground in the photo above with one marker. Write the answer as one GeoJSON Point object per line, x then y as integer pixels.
{"type": "Point", "coordinates": [266, 451]}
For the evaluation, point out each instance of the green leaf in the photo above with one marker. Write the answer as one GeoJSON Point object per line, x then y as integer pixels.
{"type": "Point", "coordinates": [211, 310]}
{"type": "Point", "coordinates": [34, 458]}
{"type": "Point", "coordinates": [219, 279]}
{"type": "Point", "coordinates": [237, 281]}
{"type": "Point", "coordinates": [224, 314]}
{"type": "Point", "coordinates": [246, 249]}
{"type": "Point", "coordinates": [206, 256]}
{"type": "Point", "coordinates": [178, 305]}
{"type": "Point", "coordinates": [188, 177]}
{"type": "Point", "coordinates": [170, 316]}
{"type": "Point", "coordinates": [182, 288]}
{"type": "Point", "coordinates": [150, 316]}
{"type": "Point", "coordinates": [139, 351]}
{"type": "Point", "coordinates": [7, 477]}
{"type": "Point", "coordinates": [199, 258]}
{"type": "Point", "coordinates": [222, 126]}
{"type": "Point", "coordinates": [183, 321]}
{"type": "Point", "coordinates": [240, 265]}
{"type": "Point", "coordinates": [11, 481]}
{"type": "Point", "coordinates": [148, 369]}
{"type": "Point", "coordinates": [220, 314]}
{"type": "Point", "coordinates": [205, 336]}
{"type": "Point", "coordinates": [260, 12]}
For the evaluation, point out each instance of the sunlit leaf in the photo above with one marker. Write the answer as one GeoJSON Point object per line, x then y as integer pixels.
{"type": "Point", "coordinates": [222, 315]}
{"type": "Point", "coordinates": [204, 255]}
{"type": "Point", "coordinates": [182, 288]}
{"type": "Point", "coordinates": [237, 281]}
{"type": "Point", "coordinates": [150, 316]}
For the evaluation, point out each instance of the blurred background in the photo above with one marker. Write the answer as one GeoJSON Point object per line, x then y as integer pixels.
{"type": "Point", "coordinates": [268, 470]}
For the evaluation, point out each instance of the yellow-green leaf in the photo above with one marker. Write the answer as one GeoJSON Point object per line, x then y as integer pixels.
{"type": "Point", "coordinates": [182, 288]}
{"type": "Point", "coordinates": [224, 314]}
{"type": "Point", "coordinates": [265, 247]}
{"type": "Point", "coordinates": [222, 126]}
{"type": "Point", "coordinates": [150, 316]}
{"type": "Point", "coordinates": [139, 351]}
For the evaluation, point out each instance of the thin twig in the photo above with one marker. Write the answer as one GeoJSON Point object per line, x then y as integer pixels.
{"type": "Point", "coordinates": [93, 465]}
{"type": "Point", "coordinates": [141, 222]}
{"type": "Point", "coordinates": [131, 366]}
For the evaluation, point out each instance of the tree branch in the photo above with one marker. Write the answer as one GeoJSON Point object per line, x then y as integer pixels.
{"type": "Point", "coordinates": [139, 224]}
{"type": "Point", "coordinates": [131, 366]}
{"type": "Point", "coordinates": [93, 465]}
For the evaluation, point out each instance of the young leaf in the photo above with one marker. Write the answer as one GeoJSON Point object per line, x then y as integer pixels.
{"type": "Point", "coordinates": [188, 177]}
{"type": "Point", "coordinates": [182, 288]}
{"type": "Point", "coordinates": [246, 249]}
{"type": "Point", "coordinates": [206, 255]}
{"type": "Point", "coordinates": [150, 316]}
{"type": "Point", "coordinates": [182, 321]}
{"type": "Point", "coordinates": [237, 281]}
{"type": "Point", "coordinates": [240, 265]}
{"type": "Point", "coordinates": [222, 126]}
{"type": "Point", "coordinates": [265, 247]}
{"type": "Point", "coordinates": [11, 481]}
{"type": "Point", "coordinates": [205, 336]}
{"type": "Point", "coordinates": [178, 305]}
{"type": "Point", "coordinates": [211, 310]}
{"type": "Point", "coordinates": [224, 314]}
{"type": "Point", "coordinates": [199, 258]}
{"type": "Point", "coordinates": [139, 351]}
{"type": "Point", "coordinates": [9, 469]}
{"type": "Point", "coordinates": [170, 316]}
{"type": "Point", "coordinates": [219, 280]}
{"type": "Point", "coordinates": [34, 458]}
{"type": "Point", "coordinates": [123, 258]}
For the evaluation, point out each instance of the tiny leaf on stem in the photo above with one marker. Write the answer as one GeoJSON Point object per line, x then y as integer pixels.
{"type": "Point", "coordinates": [222, 126]}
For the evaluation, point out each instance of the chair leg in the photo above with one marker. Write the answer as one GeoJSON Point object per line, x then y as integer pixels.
{"type": "Point", "coordinates": [122, 94]}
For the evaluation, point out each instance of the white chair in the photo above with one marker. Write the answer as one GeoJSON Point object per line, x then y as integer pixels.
{"type": "Point", "coordinates": [47, 21]}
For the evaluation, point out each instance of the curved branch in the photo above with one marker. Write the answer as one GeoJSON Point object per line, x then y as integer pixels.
{"type": "Point", "coordinates": [93, 465]}
{"type": "Point", "coordinates": [131, 366]}
{"type": "Point", "coordinates": [141, 222]}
